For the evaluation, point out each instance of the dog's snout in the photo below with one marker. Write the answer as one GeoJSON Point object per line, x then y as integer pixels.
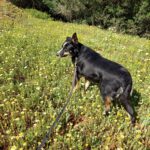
{"type": "Point", "coordinates": [58, 53]}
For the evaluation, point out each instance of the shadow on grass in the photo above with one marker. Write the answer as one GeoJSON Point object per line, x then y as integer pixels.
{"type": "Point", "coordinates": [135, 99]}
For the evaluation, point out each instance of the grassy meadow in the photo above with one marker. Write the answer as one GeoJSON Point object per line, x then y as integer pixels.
{"type": "Point", "coordinates": [34, 85]}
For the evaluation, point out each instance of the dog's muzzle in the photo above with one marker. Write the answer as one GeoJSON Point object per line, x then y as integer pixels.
{"type": "Point", "coordinates": [62, 53]}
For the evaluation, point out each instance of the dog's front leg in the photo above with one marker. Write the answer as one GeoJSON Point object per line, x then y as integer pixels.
{"type": "Point", "coordinates": [76, 82]}
{"type": "Point", "coordinates": [87, 84]}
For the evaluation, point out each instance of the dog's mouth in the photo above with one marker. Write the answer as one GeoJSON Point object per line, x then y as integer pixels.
{"type": "Point", "coordinates": [61, 53]}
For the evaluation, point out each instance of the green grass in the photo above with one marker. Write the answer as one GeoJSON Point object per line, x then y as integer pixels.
{"type": "Point", "coordinates": [34, 85]}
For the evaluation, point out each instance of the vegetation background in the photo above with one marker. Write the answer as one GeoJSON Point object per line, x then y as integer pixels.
{"type": "Point", "coordinates": [34, 85]}
{"type": "Point", "coordinates": [126, 16]}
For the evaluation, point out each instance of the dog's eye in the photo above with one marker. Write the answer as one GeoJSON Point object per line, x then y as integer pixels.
{"type": "Point", "coordinates": [66, 44]}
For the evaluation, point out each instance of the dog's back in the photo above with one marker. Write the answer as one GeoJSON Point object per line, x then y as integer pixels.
{"type": "Point", "coordinates": [99, 69]}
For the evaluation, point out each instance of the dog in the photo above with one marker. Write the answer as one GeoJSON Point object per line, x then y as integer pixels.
{"type": "Point", "coordinates": [113, 80]}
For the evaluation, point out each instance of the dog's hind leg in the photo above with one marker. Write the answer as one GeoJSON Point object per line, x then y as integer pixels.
{"type": "Point", "coordinates": [125, 101]}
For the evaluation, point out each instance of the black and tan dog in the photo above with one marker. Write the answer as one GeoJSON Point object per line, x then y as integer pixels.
{"type": "Point", "coordinates": [114, 81]}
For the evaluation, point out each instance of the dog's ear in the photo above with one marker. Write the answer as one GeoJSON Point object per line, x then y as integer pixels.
{"type": "Point", "coordinates": [75, 38]}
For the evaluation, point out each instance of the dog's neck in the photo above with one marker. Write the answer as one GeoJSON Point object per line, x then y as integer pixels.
{"type": "Point", "coordinates": [73, 59]}
{"type": "Point", "coordinates": [77, 50]}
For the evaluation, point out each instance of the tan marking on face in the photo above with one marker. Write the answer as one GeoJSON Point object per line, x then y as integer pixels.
{"type": "Point", "coordinates": [66, 53]}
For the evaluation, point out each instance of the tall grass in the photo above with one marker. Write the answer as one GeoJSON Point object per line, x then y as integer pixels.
{"type": "Point", "coordinates": [34, 85]}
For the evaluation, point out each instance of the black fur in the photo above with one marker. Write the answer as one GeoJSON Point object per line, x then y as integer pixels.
{"type": "Point", "coordinates": [114, 80]}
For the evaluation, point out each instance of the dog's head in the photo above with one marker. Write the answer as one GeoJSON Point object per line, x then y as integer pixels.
{"type": "Point", "coordinates": [69, 47]}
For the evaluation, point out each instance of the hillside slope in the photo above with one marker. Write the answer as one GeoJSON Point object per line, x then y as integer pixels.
{"type": "Point", "coordinates": [34, 85]}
